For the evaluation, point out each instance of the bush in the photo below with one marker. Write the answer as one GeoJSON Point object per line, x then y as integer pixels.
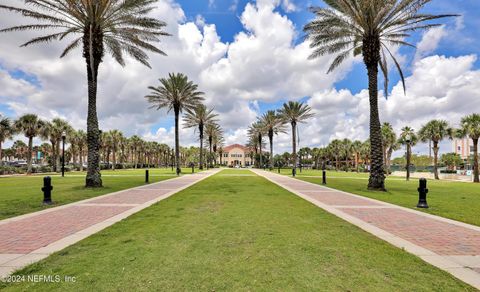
{"type": "Point", "coordinates": [6, 170]}
{"type": "Point", "coordinates": [448, 171]}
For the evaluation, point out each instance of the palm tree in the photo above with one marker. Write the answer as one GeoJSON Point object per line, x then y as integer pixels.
{"type": "Point", "coordinates": [273, 124]}
{"type": "Point", "coordinates": [31, 126]}
{"type": "Point", "coordinates": [367, 28]}
{"type": "Point", "coordinates": [199, 117]}
{"type": "Point", "coordinates": [135, 143]}
{"type": "Point", "coordinates": [295, 112]}
{"type": "Point", "coordinates": [436, 131]}
{"type": "Point", "coordinates": [6, 132]}
{"type": "Point", "coordinates": [256, 132]}
{"type": "Point", "coordinates": [115, 137]}
{"type": "Point", "coordinates": [53, 131]}
{"type": "Point", "coordinates": [335, 148]}
{"type": "Point", "coordinates": [99, 26]}
{"type": "Point", "coordinates": [78, 139]}
{"type": "Point", "coordinates": [357, 148]}
{"type": "Point", "coordinates": [389, 144]}
{"type": "Point", "coordinates": [408, 138]}
{"type": "Point", "coordinates": [470, 127]}
{"type": "Point", "coordinates": [213, 132]}
{"type": "Point", "coordinates": [175, 93]}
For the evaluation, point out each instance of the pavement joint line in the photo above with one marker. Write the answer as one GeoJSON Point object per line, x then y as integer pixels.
{"type": "Point", "coordinates": [466, 274]}
{"type": "Point", "coordinates": [28, 215]}
{"type": "Point", "coordinates": [361, 207]}
{"type": "Point", "coordinates": [22, 260]}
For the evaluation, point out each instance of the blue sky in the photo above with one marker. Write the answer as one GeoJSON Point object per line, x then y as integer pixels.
{"type": "Point", "coordinates": [442, 83]}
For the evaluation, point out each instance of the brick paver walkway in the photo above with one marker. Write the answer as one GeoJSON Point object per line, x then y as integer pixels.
{"type": "Point", "coordinates": [447, 244]}
{"type": "Point", "coordinates": [29, 238]}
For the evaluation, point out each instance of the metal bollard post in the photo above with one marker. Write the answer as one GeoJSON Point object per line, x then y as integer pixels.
{"type": "Point", "coordinates": [422, 193]}
{"type": "Point", "coordinates": [294, 171]}
{"type": "Point", "coordinates": [47, 190]}
{"type": "Point", "coordinates": [193, 168]}
{"type": "Point", "coordinates": [279, 169]}
{"type": "Point", "coordinates": [324, 177]}
{"type": "Point", "coordinates": [146, 176]}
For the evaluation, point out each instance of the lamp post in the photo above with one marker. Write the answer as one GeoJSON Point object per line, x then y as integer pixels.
{"type": "Point", "coordinates": [408, 140]}
{"type": "Point", "coordinates": [64, 136]}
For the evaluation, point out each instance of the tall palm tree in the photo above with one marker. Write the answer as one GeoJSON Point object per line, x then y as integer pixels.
{"type": "Point", "coordinates": [199, 117]}
{"type": "Point", "coordinates": [273, 125]}
{"type": "Point", "coordinates": [6, 132]}
{"type": "Point", "coordinates": [31, 126]}
{"type": "Point", "coordinates": [99, 26]}
{"type": "Point", "coordinates": [470, 127]}
{"type": "Point", "coordinates": [295, 112]}
{"type": "Point", "coordinates": [335, 148]}
{"type": "Point", "coordinates": [357, 148]}
{"type": "Point", "coordinates": [175, 93]}
{"type": "Point", "coordinates": [435, 131]}
{"type": "Point", "coordinates": [409, 138]}
{"type": "Point", "coordinates": [53, 131]}
{"type": "Point", "coordinates": [367, 28]}
{"type": "Point", "coordinates": [135, 143]}
{"type": "Point", "coordinates": [78, 139]}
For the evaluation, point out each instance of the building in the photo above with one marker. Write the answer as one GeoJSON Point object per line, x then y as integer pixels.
{"type": "Point", "coordinates": [464, 147]}
{"type": "Point", "coordinates": [237, 154]}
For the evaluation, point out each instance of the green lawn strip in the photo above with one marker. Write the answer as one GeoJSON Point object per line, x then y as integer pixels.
{"type": "Point", "coordinates": [22, 194]}
{"type": "Point", "coordinates": [455, 200]}
{"type": "Point", "coordinates": [237, 234]}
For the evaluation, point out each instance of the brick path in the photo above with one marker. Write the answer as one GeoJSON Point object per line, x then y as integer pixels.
{"type": "Point", "coordinates": [450, 245]}
{"type": "Point", "coordinates": [29, 238]}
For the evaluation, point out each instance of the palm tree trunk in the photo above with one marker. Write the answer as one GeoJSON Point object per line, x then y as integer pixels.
{"type": "Point", "coordinates": [371, 55]}
{"type": "Point", "coordinates": [200, 129]}
{"type": "Point", "coordinates": [210, 151]}
{"type": "Point", "coordinates": [1, 161]}
{"type": "Point", "coordinates": [270, 137]}
{"type": "Point", "coordinates": [435, 159]}
{"type": "Point", "coordinates": [260, 143]}
{"type": "Point", "coordinates": [475, 161]}
{"type": "Point", "coordinates": [81, 159]}
{"type": "Point", "coordinates": [177, 142]}
{"type": "Point", "coordinates": [294, 146]}
{"type": "Point", "coordinates": [57, 155]}
{"type": "Point", "coordinates": [114, 158]}
{"type": "Point", "coordinates": [29, 157]}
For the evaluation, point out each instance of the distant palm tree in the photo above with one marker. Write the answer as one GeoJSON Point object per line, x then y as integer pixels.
{"type": "Point", "coordinates": [6, 132]}
{"type": "Point", "coordinates": [175, 93]}
{"type": "Point", "coordinates": [31, 126]}
{"type": "Point", "coordinates": [389, 144]}
{"type": "Point", "coordinates": [295, 112]}
{"type": "Point", "coordinates": [214, 133]}
{"type": "Point", "coordinates": [99, 26]}
{"type": "Point", "coordinates": [256, 132]}
{"type": "Point", "coordinates": [356, 149]}
{"type": "Point", "coordinates": [199, 117]}
{"type": "Point", "coordinates": [335, 148]}
{"type": "Point", "coordinates": [409, 138]}
{"type": "Point", "coordinates": [273, 125]}
{"type": "Point", "coordinates": [53, 131]}
{"type": "Point", "coordinates": [367, 28]}
{"type": "Point", "coordinates": [135, 143]}
{"type": "Point", "coordinates": [436, 131]}
{"type": "Point", "coordinates": [115, 136]}
{"type": "Point", "coordinates": [470, 127]}
{"type": "Point", "coordinates": [78, 139]}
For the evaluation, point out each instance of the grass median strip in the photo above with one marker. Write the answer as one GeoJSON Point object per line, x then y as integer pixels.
{"type": "Point", "coordinates": [22, 194]}
{"type": "Point", "coordinates": [235, 233]}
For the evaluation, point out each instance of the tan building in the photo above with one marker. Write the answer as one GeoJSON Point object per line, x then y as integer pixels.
{"type": "Point", "coordinates": [464, 147]}
{"type": "Point", "coordinates": [237, 154]}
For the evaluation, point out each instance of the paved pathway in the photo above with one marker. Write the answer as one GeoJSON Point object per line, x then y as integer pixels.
{"type": "Point", "coordinates": [29, 238]}
{"type": "Point", "coordinates": [447, 244]}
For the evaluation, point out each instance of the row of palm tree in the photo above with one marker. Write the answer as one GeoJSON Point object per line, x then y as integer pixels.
{"type": "Point", "coordinates": [274, 122]}
{"type": "Point", "coordinates": [178, 94]}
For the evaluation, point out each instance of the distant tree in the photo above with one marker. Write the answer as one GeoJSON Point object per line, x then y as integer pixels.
{"type": "Point", "coordinates": [273, 125]}
{"type": "Point", "coordinates": [409, 138]}
{"type": "Point", "coordinates": [31, 126]}
{"type": "Point", "coordinates": [436, 131]}
{"type": "Point", "coordinates": [6, 132]}
{"type": "Point", "coordinates": [451, 160]}
{"type": "Point", "coordinates": [293, 113]}
{"type": "Point", "coordinates": [389, 144]}
{"type": "Point", "coordinates": [470, 127]}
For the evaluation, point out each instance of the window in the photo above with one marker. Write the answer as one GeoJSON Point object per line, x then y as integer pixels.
{"type": "Point", "coordinates": [225, 154]}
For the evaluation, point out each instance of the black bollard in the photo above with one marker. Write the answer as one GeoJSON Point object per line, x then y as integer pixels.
{"type": "Point", "coordinates": [422, 193]}
{"type": "Point", "coordinates": [294, 171]}
{"type": "Point", "coordinates": [47, 190]}
{"type": "Point", "coordinates": [279, 169]}
{"type": "Point", "coordinates": [193, 168]}
{"type": "Point", "coordinates": [178, 171]}
{"type": "Point", "coordinates": [146, 176]}
{"type": "Point", "coordinates": [324, 177]}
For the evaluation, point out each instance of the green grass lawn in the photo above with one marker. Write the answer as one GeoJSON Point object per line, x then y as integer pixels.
{"type": "Point", "coordinates": [236, 233]}
{"type": "Point", "coordinates": [22, 194]}
{"type": "Point", "coordinates": [455, 200]}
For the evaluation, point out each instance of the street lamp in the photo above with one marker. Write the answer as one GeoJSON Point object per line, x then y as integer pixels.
{"type": "Point", "coordinates": [64, 136]}
{"type": "Point", "coordinates": [408, 140]}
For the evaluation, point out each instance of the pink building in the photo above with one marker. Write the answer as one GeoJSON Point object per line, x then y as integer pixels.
{"type": "Point", "coordinates": [463, 147]}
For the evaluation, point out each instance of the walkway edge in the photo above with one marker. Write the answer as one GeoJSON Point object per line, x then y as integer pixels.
{"type": "Point", "coordinates": [19, 261]}
{"type": "Point", "coordinates": [442, 262]}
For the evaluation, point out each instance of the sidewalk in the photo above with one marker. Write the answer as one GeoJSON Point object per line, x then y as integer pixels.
{"type": "Point", "coordinates": [29, 238]}
{"type": "Point", "coordinates": [447, 244]}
